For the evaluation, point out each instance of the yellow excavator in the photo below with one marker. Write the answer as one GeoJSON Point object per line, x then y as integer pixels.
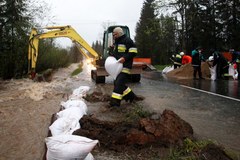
{"type": "Point", "coordinates": [98, 74]}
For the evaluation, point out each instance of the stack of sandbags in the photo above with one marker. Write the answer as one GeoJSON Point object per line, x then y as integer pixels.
{"type": "Point", "coordinates": [63, 145]}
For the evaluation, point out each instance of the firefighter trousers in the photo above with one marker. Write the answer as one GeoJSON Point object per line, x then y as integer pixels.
{"type": "Point", "coordinates": [121, 91]}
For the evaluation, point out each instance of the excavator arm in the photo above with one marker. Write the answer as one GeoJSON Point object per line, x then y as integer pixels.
{"type": "Point", "coordinates": [55, 32]}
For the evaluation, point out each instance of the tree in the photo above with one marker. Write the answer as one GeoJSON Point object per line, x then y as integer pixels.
{"type": "Point", "coordinates": [98, 47]}
{"type": "Point", "coordinates": [167, 39]}
{"type": "Point", "coordinates": [147, 32]}
{"type": "Point", "coordinates": [15, 24]}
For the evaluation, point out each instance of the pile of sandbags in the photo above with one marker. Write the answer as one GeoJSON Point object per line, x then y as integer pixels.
{"type": "Point", "coordinates": [62, 145]}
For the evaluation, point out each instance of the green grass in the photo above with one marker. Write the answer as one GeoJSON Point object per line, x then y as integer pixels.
{"type": "Point", "coordinates": [136, 113]}
{"type": "Point", "coordinates": [161, 67]}
{"type": "Point", "coordinates": [191, 149]}
{"type": "Point", "coordinates": [77, 71]}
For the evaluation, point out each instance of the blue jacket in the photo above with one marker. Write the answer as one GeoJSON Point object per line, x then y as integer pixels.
{"type": "Point", "coordinates": [197, 58]}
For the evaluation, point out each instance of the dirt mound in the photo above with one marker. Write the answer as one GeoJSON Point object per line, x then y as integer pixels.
{"type": "Point", "coordinates": [186, 71]}
{"type": "Point", "coordinates": [167, 130]}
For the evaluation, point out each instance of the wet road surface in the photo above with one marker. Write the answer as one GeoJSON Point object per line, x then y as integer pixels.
{"type": "Point", "coordinates": [229, 88]}
{"type": "Point", "coordinates": [212, 116]}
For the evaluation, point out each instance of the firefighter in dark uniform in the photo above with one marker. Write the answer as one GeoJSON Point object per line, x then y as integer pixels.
{"type": "Point", "coordinates": [177, 60]}
{"type": "Point", "coordinates": [222, 64]}
{"type": "Point", "coordinates": [124, 51]}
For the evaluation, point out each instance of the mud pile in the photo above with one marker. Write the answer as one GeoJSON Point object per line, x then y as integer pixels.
{"type": "Point", "coordinates": [186, 71]}
{"type": "Point", "coordinates": [141, 138]}
{"type": "Point", "coordinates": [168, 129]}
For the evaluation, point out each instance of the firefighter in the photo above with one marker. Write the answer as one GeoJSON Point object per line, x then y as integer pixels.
{"type": "Point", "coordinates": [222, 64]}
{"type": "Point", "coordinates": [177, 60]}
{"type": "Point", "coordinates": [124, 51]}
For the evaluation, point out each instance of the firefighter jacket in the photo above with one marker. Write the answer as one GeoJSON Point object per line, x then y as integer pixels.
{"type": "Point", "coordinates": [178, 59]}
{"type": "Point", "coordinates": [125, 47]}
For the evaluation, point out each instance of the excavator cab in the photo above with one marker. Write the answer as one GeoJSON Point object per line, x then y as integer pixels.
{"type": "Point", "coordinates": [108, 39]}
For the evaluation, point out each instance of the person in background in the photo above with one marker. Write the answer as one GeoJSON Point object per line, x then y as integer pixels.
{"type": "Point", "coordinates": [222, 64]}
{"type": "Point", "coordinates": [236, 61]}
{"type": "Point", "coordinates": [124, 51]}
{"type": "Point", "coordinates": [177, 60]}
{"type": "Point", "coordinates": [185, 58]}
{"type": "Point", "coordinates": [197, 58]}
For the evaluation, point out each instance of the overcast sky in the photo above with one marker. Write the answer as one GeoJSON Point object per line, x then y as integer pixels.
{"type": "Point", "coordinates": [88, 16]}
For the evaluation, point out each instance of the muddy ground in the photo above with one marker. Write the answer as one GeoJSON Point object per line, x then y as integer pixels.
{"type": "Point", "coordinates": [26, 108]}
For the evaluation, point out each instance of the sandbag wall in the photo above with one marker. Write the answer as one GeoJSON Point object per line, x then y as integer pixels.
{"type": "Point", "coordinates": [62, 145]}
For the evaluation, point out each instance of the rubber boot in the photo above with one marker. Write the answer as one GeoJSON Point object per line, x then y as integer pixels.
{"type": "Point", "coordinates": [115, 102]}
{"type": "Point", "coordinates": [129, 97]}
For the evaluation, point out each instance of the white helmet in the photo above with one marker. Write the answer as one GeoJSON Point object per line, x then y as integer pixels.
{"type": "Point", "coordinates": [181, 53]}
{"type": "Point", "coordinates": [210, 58]}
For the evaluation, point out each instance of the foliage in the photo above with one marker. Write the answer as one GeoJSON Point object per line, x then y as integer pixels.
{"type": "Point", "coordinates": [51, 56]}
{"type": "Point", "coordinates": [136, 113]}
{"type": "Point", "coordinates": [147, 31]}
{"type": "Point", "coordinates": [211, 24]}
{"type": "Point", "coordinates": [169, 27]}
{"type": "Point", "coordinates": [189, 150]}
{"type": "Point", "coordinates": [98, 47]}
{"type": "Point", "coordinates": [75, 55]}
{"type": "Point", "coordinates": [15, 23]}
{"type": "Point", "coordinates": [161, 67]}
{"type": "Point", "coordinates": [77, 71]}
{"type": "Point", "coordinates": [155, 36]}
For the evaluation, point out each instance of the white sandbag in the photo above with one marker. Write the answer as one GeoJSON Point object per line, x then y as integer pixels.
{"type": "Point", "coordinates": [64, 126]}
{"type": "Point", "coordinates": [213, 72]}
{"type": "Point", "coordinates": [235, 76]}
{"type": "Point", "coordinates": [69, 147]}
{"type": "Point", "coordinates": [89, 157]}
{"type": "Point", "coordinates": [79, 92]}
{"type": "Point", "coordinates": [167, 69]}
{"type": "Point", "coordinates": [113, 67]}
{"type": "Point", "coordinates": [75, 103]}
{"type": "Point", "coordinates": [72, 112]}
{"type": "Point", "coordinates": [231, 70]}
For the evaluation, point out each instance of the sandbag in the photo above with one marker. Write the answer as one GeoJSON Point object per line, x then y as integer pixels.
{"type": "Point", "coordinates": [167, 69]}
{"type": "Point", "coordinates": [89, 157]}
{"type": "Point", "coordinates": [213, 72]}
{"type": "Point", "coordinates": [64, 126]}
{"type": "Point", "coordinates": [69, 147]}
{"type": "Point", "coordinates": [233, 72]}
{"type": "Point", "coordinates": [72, 112]}
{"type": "Point", "coordinates": [113, 67]}
{"type": "Point", "coordinates": [79, 92]}
{"type": "Point", "coordinates": [75, 103]}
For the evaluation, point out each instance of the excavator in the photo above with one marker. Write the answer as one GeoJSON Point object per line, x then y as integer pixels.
{"type": "Point", "coordinates": [99, 74]}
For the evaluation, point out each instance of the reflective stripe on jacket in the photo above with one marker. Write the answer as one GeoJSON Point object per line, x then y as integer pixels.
{"type": "Point", "coordinates": [125, 47]}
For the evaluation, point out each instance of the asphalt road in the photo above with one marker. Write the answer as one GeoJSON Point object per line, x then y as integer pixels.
{"type": "Point", "coordinates": [213, 113]}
